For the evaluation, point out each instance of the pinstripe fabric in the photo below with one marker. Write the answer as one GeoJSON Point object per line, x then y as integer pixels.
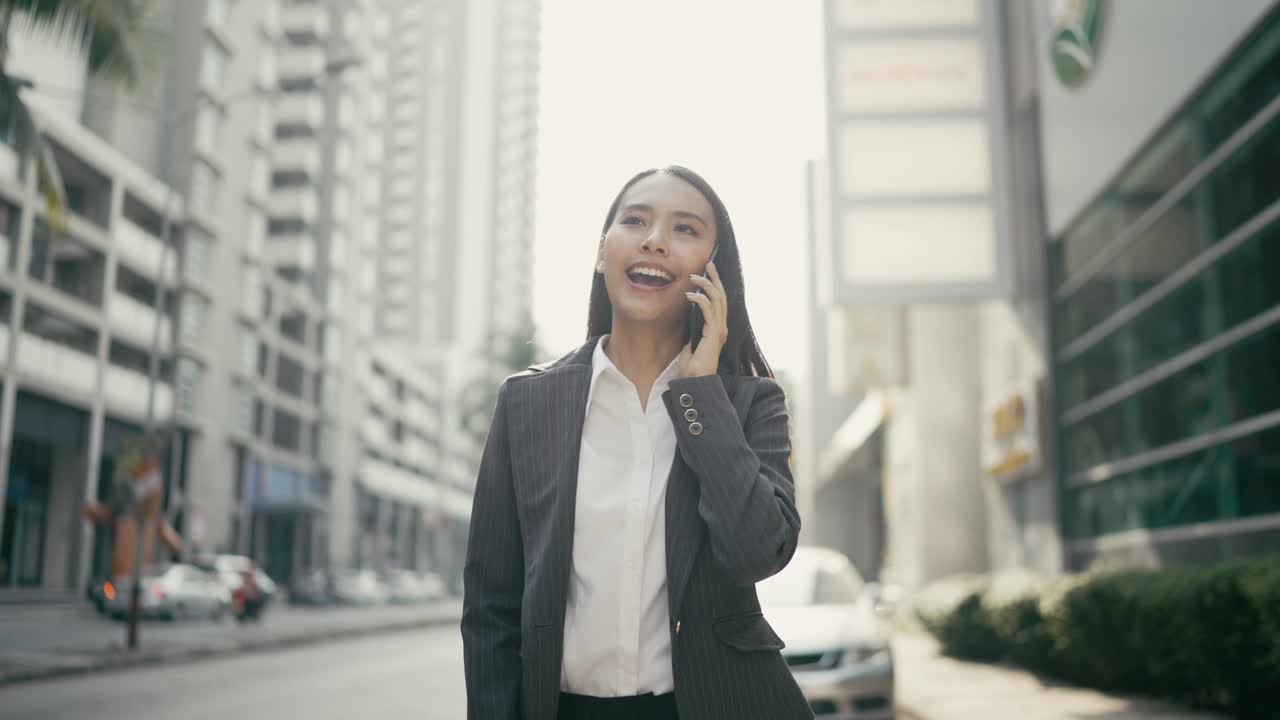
{"type": "Point", "coordinates": [731, 521]}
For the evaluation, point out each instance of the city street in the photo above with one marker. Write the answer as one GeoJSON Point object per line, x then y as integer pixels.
{"type": "Point", "coordinates": [414, 674]}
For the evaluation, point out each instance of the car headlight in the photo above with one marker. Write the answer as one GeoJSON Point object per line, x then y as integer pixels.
{"type": "Point", "coordinates": [866, 654]}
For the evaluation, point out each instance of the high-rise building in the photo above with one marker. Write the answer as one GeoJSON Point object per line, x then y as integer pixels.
{"type": "Point", "coordinates": [345, 190]}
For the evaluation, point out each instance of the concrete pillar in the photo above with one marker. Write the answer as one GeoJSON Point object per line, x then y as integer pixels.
{"type": "Point", "coordinates": [946, 393]}
{"type": "Point", "coordinates": [60, 541]}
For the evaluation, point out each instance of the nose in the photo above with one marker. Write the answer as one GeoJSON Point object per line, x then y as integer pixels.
{"type": "Point", "coordinates": [655, 243]}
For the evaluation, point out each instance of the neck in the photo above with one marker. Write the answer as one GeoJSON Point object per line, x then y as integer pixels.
{"type": "Point", "coordinates": [641, 351]}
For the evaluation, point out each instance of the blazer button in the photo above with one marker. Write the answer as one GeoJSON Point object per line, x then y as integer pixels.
{"type": "Point", "coordinates": [677, 627]}
{"type": "Point", "coordinates": [690, 414]}
{"type": "Point", "coordinates": [686, 400]}
{"type": "Point", "coordinates": [695, 429]}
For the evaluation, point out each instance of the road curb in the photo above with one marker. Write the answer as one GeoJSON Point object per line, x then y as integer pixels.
{"type": "Point", "coordinates": [120, 660]}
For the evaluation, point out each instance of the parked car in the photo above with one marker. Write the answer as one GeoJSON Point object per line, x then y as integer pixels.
{"type": "Point", "coordinates": [314, 588]}
{"type": "Point", "coordinates": [231, 569]}
{"type": "Point", "coordinates": [837, 646]}
{"type": "Point", "coordinates": [170, 592]}
{"type": "Point", "coordinates": [405, 586]}
{"type": "Point", "coordinates": [359, 587]}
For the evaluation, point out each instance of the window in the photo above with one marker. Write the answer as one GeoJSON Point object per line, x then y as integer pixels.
{"type": "Point", "coordinates": [192, 317]}
{"type": "Point", "coordinates": [256, 233]}
{"type": "Point", "coordinates": [248, 352]}
{"type": "Point", "coordinates": [187, 385]}
{"type": "Point", "coordinates": [208, 123]}
{"type": "Point", "coordinates": [195, 258]}
{"type": "Point", "coordinates": [286, 431]}
{"type": "Point", "coordinates": [1201, 388]}
{"type": "Point", "coordinates": [267, 76]}
{"type": "Point", "coordinates": [244, 411]}
{"type": "Point", "coordinates": [204, 189]}
{"type": "Point", "coordinates": [211, 68]}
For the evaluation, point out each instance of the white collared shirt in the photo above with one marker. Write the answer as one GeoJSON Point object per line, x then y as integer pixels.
{"type": "Point", "coordinates": [616, 640]}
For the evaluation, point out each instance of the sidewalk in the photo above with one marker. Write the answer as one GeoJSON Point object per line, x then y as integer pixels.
{"type": "Point", "coordinates": [164, 643]}
{"type": "Point", "coordinates": [933, 687]}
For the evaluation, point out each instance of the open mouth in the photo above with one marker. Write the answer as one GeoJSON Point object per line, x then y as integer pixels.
{"type": "Point", "coordinates": [647, 276]}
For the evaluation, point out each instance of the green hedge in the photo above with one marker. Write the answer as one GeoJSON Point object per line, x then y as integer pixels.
{"type": "Point", "coordinates": [1206, 637]}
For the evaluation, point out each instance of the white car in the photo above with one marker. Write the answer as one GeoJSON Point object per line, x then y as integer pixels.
{"type": "Point", "coordinates": [174, 591]}
{"type": "Point", "coordinates": [404, 586]}
{"type": "Point", "coordinates": [359, 587]}
{"type": "Point", "coordinates": [837, 645]}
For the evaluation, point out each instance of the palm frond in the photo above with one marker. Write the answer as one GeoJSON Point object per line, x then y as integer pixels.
{"type": "Point", "coordinates": [116, 36]}
{"type": "Point", "coordinates": [19, 126]}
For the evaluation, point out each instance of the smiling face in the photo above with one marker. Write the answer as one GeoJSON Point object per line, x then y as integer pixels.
{"type": "Point", "coordinates": [663, 232]}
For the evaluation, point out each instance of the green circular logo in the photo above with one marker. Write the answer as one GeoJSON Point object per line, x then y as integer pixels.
{"type": "Point", "coordinates": [1073, 46]}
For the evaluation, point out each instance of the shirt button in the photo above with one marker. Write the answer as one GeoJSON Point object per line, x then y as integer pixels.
{"type": "Point", "coordinates": [695, 429]}
{"type": "Point", "coordinates": [690, 414]}
{"type": "Point", "coordinates": [686, 400]}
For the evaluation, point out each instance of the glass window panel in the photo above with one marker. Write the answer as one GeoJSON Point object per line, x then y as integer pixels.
{"type": "Point", "coordinates": [1231, 386]}
{"type": "Point", "coordinates": [1226, 481]}
{"type": "Point", "coordinates": [1247, 183]}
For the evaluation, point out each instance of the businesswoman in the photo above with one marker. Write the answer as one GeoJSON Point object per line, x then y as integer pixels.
{"type": "Point", "coordinates": [633, 492]}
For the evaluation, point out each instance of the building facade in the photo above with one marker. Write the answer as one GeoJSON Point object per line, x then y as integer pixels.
{"type": "Point", "coordinates": [1163, 231]}
{"type": "Point", "coordinates": [1112, 402]}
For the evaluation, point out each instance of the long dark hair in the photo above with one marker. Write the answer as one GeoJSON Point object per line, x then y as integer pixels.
{"type": "Point", "coordinates": [741, 353]}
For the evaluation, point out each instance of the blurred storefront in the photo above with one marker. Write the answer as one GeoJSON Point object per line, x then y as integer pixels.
{"type": "Point", "coordinates": [1162, 188]}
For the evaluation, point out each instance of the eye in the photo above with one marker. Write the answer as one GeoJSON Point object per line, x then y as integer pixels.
{"type": "Point", "coordinates": [631, 220]}
{"type": "Point", "coordinates": [686, 228]}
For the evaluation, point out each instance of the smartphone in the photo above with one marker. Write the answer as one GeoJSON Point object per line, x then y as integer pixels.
{"type": "Point", "coordinates": [696, 321]}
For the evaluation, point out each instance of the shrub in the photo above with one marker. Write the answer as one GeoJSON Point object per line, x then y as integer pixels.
{"type": "Point", "coordinates": [1208, 637]}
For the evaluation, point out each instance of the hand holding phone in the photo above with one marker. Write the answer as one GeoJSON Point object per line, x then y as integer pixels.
{"type": "Point", "coordinates": [694, 334]}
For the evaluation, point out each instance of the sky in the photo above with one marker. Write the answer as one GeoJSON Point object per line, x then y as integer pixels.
{"type": "Point", "coordinates": [733, 90]}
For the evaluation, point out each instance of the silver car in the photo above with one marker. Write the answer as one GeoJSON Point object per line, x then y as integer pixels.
{"type": "Point", "coordinates": [837, 646]}
{"type": "Point", "coordinates": [173, 591]}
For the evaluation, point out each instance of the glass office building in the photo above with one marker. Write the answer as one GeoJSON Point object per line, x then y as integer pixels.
{"type": "Point", "coordinates": [1165, 296]}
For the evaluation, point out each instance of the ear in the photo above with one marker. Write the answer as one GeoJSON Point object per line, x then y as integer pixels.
{"type": "Point", "coordinates": [600, 256]}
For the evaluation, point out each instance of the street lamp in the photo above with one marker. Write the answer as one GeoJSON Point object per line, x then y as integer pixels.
{"type": "Point", "coordinates": [332, 68]}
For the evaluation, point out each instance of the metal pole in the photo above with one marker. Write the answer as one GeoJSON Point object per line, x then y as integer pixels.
{"type": "Point", "coordinates": [149, 428]}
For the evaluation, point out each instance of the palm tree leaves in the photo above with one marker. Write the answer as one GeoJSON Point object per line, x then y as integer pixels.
{"type": "Point", "coordinates": [113, 34]}
{"type": "Point", "coordinates": [18, 127]}
{"type": "Point", "coordinates": [117, 37]}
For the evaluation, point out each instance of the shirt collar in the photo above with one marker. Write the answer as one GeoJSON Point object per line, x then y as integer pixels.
{"type": "Point", "coordinates": [600, 364]}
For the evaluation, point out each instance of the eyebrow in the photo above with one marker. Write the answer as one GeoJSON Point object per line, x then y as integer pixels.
{"type": "Point", "coordinates": [677, 213]}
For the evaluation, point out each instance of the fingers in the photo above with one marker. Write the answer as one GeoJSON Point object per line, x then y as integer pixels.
{"type": "Point", "coordinates": [708, 308]}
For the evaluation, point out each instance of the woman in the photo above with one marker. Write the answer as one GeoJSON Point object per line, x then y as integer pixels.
{"type": "Point", "coordinates": [633, 492]}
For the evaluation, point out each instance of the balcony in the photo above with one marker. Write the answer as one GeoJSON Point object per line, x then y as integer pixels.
{"type": "Point", "coordinates": [57, 364]}
{"type": "Point", "coordinates": [305, 23]}
{"type": "Point", "coordinates": [291, 251]}
{"type": "Point", "coordinates": [294, 203]}
{"type": "Point", "coordinates": [135, 322]}
{"type": "Point", "coordinates": [298, 63]}
{"type": "Point", "coordinates": [300, 110]}
{"type": "Point", "coordinates": [141, 251]}
{"type": "Point", "coordinates": [126, 391]}
{"type": "Point", "coordinates": [301, 156]}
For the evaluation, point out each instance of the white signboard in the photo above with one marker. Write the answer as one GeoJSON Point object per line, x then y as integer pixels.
{"type": "Point", "coordinates": [918, 178]}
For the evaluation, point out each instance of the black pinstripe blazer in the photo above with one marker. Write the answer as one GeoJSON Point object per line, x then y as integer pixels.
{"type": "Point", "coordinates": [731, 521]}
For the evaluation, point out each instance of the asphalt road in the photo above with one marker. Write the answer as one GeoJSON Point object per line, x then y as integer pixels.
{"type": "Point", "coordinates": [416, 674]}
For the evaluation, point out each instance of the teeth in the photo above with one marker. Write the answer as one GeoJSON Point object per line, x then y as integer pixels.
{"type": "Point", "coordinates": [652, 272]}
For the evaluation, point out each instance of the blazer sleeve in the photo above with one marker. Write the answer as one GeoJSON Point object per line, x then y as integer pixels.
{"type": "Point", "coordinates": [746, 495]}
{"type": "Point", "coordinates": [493, 581]}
